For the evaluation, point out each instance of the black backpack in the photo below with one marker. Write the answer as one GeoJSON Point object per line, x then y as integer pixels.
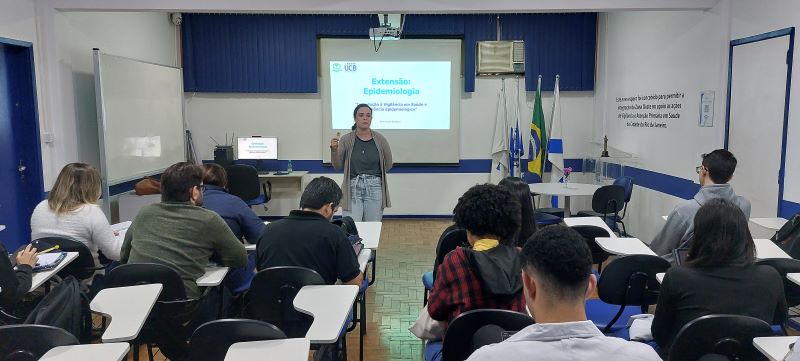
{"type": "Point", "coordinates": [788, 237]}
{"type": "Point", "coordinates": [65, 307]}
{"type": "Point", "coordinates": [348, 225]}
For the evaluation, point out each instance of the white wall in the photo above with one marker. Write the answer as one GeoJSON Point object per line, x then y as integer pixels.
{"type": "Point", "coordinates": [662, 52]}
{"type": "Point", "coordinates": [752, 18]}
{"type": "Point", "coordinates": [297, 121]}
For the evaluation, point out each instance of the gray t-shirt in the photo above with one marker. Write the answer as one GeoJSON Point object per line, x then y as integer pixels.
{"type": "Point", "coordinates": [365, 158]}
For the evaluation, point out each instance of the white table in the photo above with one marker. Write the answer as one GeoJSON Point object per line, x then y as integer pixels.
{"type": "Point", "coordinates": [660, 277]}
{"type": "Point", "coordinates": [623, 246]}
{"type": "Point", "coordinates": [370, 233]}
{"type": "Point", "coordinates": [120, 229]}
{"type": "Point", "coordinates": [776, 348]}
{"type": "Point", "coordinates": [363, 259]}
{"type": "Point", "coordinates": [567, 190]}
{"type": "Point", "coordinates": [290, 349]}
{"type": "Point", "coordinates": [90, 352]}
{"type": "Point", "coordinates": [329, 305]}
{"type": "Point", "coordinates": [794, 277]}
{"type": "Point", "coordinates": [774, 223]}
{"type": "Point", "coordinates": [292, 182]}
{"type": "Point", "coordinates": [128, 308]}
{"type": "Point", "coordinates": [766, 249]}
{"type": "Point", "coordinates": [213, 276]}
{"type": "Point", "coordinates": [588, 221]}
{"type": "Point", "coordinates": [40, 278]}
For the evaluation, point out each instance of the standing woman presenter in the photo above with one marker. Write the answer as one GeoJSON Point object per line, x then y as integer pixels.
{"type": "Point", "coordinates": [365, 156]}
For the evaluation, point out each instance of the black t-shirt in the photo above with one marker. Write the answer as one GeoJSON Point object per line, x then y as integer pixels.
{"type": "Point", "coordinates": [365, 158]}
{"type": "Point", "coordinates": [307, 239]}
{"type": "Point", "coordinates": [689, 293]}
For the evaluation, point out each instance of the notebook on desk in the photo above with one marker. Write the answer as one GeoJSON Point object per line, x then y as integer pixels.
{"type": "Point", "coordinates": [49, 261]}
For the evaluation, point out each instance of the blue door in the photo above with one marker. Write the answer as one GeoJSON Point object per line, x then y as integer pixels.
{"type": "Point", "coordinates": [21, 185]}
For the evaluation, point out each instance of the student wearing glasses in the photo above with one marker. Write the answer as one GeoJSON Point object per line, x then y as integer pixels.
{"type": "Point", "coordinates": [714, 173]}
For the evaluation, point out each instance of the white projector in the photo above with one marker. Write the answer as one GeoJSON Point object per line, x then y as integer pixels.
{"type": "Point", "coordinates": [384, 33]}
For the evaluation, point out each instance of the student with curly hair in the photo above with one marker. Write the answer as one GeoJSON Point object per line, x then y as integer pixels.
{"type": "Point", "coordinates": [486, 274]}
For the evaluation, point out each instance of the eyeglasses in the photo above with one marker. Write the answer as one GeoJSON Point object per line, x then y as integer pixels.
{"type": "Point", "coordinates": [698, 168]}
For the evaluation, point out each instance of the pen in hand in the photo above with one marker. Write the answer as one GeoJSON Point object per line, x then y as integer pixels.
{"type": "Point", "coordinates": [50, 249]}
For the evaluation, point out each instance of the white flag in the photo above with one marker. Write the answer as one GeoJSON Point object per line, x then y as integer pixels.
{"type": "Point", "coordinates": [500, 140]}
{"type": "Point", "coordinates": [555, 145]}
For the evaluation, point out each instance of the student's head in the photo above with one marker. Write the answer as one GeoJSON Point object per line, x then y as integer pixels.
{"type": "Point", "coordinates": [76, 185]}
{"type": "Point", "coordinates": [522, 192]}
{"type": "Point", "coordinates": [182, 182]}
{"type": "Point", "coordinates": [721, 236]}
{"type": "Point", "coordinates": [717, 167]}
{"type": "Point", "coordinates": [215, 175]}
{"type": "Point", "coordinates": [322, 195]}
{"type": "Point", "coordinates": [488, 211]}
{"type": "Point", "coordinates": [556, 270]}
{"type": "Point", "coordinates": [362, 116]}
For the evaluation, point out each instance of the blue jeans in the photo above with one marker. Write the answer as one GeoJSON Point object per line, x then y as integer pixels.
{"type": "Point", "coordinates": [366, 198]}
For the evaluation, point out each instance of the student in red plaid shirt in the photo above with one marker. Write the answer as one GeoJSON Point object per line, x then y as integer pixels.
{"type": "Point", "coordinates": [487, 274]}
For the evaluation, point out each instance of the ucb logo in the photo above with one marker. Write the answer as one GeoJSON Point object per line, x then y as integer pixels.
{"type": "Point", "coordinates": [350, 67]}
{"type": "Point", "coordinates": [336, 67]}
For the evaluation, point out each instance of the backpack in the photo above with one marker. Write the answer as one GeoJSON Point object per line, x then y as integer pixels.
{"type": "Point", "coordinates": [788, 237]}
{"type": "Point", "coordinates": [65, 307]}
{"type": "Point", "coordinates": [348, 225]}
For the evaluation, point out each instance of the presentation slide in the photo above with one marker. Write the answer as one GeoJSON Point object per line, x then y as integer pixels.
{"type": "Point", "coordinates": [257, 148]}
{"type": "Point", "coordinates": [403, 94]}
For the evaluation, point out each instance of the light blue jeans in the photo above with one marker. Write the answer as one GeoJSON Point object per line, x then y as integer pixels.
{"type": "Point", "coordinates": [366, 198]}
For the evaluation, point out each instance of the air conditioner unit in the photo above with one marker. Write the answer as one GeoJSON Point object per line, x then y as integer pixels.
{"type": "Point", "coordinates": [501, 57]}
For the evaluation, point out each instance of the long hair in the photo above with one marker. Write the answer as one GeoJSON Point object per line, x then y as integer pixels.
{"type": "Point", "coordinates": [522, 192]}
{"type": "Point", "coordinates": [721, 237]}
{"type": "Point", "coordinates": [76, 185]}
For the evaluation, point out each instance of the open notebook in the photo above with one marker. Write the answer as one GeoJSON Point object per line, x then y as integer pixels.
{"type": "Point", "coordinates": [48, 261]}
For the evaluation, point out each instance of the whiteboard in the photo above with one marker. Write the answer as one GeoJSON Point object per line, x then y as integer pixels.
{"type": "Point", "coordinates": [140, 117]}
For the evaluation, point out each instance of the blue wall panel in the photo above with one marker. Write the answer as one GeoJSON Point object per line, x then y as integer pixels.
{"type": "Point", "coordinates": [278, 53]}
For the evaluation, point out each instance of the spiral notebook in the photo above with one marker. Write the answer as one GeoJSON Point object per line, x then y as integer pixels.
{"type": "Point", "coordinates": [49, 261]}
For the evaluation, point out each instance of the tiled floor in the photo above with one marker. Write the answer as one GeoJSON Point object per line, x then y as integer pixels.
{"type": "Point", "coordinates": [393, 302]}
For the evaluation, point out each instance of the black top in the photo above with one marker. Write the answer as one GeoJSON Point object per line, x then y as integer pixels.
{"type": "Point", "coordinates": [365, 158]}
{"type": "Point", "coordinates": [307, 239]}
{"type": "Point", "coordinates": [689, 293]}
{"type": "Point", "coordinates": [13, 284]}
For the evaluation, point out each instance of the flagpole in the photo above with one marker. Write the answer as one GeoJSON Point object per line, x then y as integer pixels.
{"type": "Point", "coordinates": [550, 126]}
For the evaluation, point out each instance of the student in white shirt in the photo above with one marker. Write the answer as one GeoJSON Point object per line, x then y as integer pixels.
{"type": "Point", "coordinates": [71, 211]}
{"type": "Point", "coordinates": [557, 279]}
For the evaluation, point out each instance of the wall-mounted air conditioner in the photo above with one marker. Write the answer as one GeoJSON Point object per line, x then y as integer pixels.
{"type": "Point", "coordinates": [501, 57]}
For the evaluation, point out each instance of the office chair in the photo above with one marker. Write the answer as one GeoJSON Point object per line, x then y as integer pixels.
{"type": "Point", "coordinates": [607, 202]}
{"type": "Point", "coordinates": [31, 342]}
{"type": "Point", "coordinates": [210, 342]}
{"type": "Point", "coordinates": [82, 267]}
{"type": "Point", "coordinates": [451, 238]}
{"type": "Point", "coordinates": [244, 183]}
{"type": "Point", "coordinates": [473, 329]}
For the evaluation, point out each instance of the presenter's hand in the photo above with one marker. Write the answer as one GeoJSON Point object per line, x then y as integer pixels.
{"type": "Point", "coordinates": [335, 143]}
{"type": "Point", "coordinates": [27, 256]}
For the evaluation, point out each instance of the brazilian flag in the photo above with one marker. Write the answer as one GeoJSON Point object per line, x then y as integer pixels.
{"type": "Point", "coordinates": [537, 153]}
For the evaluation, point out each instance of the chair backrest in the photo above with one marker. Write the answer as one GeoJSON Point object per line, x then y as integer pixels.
{"type": "Point", "coordinates": [589, 234]}
{"type": "Point", "coordinates": [451, 239]}
{"type": "Point", "coordinates": [460, 339]}
{"type": "Point", "coordinates": [271, 298]}
{"type": "Point", "coordinates": [243, 181]}
{"type": "Point", "coordinates": [631, 280]}
{"type": "Point", "coordinates": [210, 342]}
{"type": "Point", "coordinates": [82, 267]}
{"type": "Point", "coordinates": [608, 199]}
{"type": "Point", "coordinates": [132, 274]}
{"type": "Point", "coordinates": [784, 266]}
{"type": "Point", "coordinates": [31, 342]}
{"type": "Point", "coordinates": [627, 184]}
{"type": "Point", "coordinates": [727, 335]}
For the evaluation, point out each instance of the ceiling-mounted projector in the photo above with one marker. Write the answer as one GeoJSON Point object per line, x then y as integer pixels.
{"type": "Point", "coordinates": [391, 27]}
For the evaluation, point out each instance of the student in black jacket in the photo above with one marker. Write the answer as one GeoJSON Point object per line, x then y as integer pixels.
{"type": "Point", "coordinates": [719, 276]}
{"type": "Point", "coordinates": [14, 284]}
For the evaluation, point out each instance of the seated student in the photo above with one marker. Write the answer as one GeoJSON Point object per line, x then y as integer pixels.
{"type": "Point", "coordinates": [714, 174]}
{"type": "Point", "coordinates": [70, 210]}
{"type": "Point", "coordinates": [307, 238]}
{"type": "Point", "coordinates": [237, 214]}
{"type": "Point", "coordinates": [557, 274]}
{"type": "Point", "coordinates": [719, 276]}
{"type": "Point", "coordinates": [179, 233]}
{"type": "Point", "coordinates": [522, 191]}
{"type": "Point", "coordinates": [15, 283]}
{"type": "Point", "coordinates": [487, 274]}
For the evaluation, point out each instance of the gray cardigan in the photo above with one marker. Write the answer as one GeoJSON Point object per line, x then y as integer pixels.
{"type": "Point", "coordinates": [340, 158]}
